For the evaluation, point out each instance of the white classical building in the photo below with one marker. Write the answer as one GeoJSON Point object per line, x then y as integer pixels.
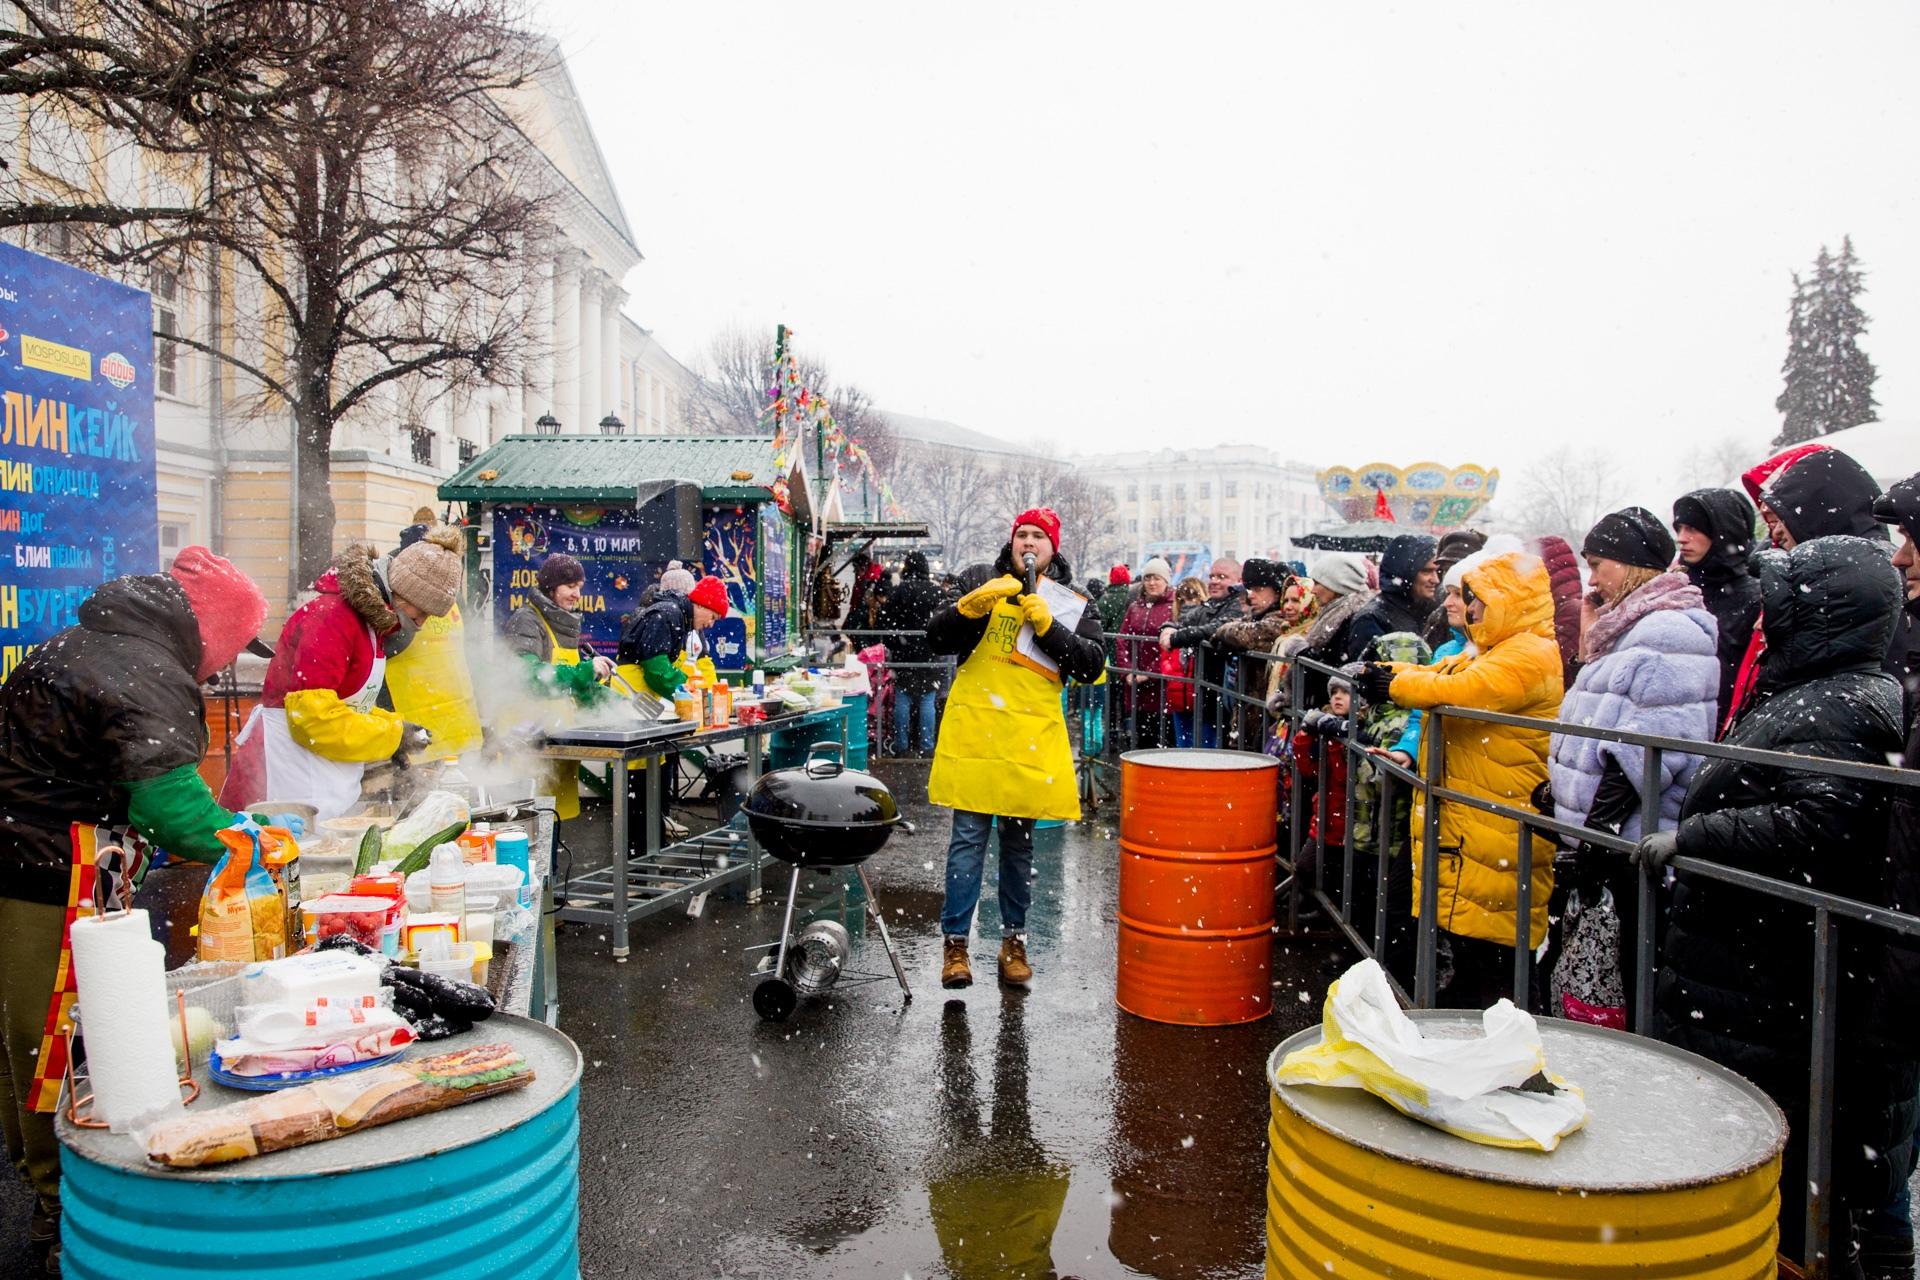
{"type": "Point", "coordinates": [1240, 500]}
{"type": "Point", "coordinates": [224, 477]}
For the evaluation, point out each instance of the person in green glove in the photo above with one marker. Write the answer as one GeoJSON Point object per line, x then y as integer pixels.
{"type": "Point", "coordinates": [545, 631]}
{"type": "Point", "coordinates": [102, 730]}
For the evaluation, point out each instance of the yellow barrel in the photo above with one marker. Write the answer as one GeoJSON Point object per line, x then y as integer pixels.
{"type": "Point", "coordinates": [1676, 1174]}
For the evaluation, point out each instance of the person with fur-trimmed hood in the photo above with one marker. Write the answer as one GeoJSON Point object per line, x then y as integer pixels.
{"type": "Point", "coordinates": [318, 726]}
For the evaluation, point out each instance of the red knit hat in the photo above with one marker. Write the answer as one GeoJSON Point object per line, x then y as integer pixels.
{"type": "Point", "coordinates": [1046, 519]}
{"type": "Point", "coordinates": [1119, 576]}
{"type": "Point", "coordinates": [710, 592]}
{"type": "Point", "coordinates": [227, 606]}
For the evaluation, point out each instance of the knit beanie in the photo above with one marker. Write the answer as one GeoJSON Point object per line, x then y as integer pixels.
{"type": "Point", "coordinates": [711, 593]}
{"type": "Point", "coordinates": [1043, 518]}
{"type": "Point", "coordinates": [1159, 566]}
{"type": "Point", "coordinates": [677, 578]}
{"type": "Point", "coordinates": [427, 574]}
{"type": "Point", "coordinates": [1634, 536]}
{"type": "Point", "coordinates": [1341, 572]}
{"type": "Point", "coordinates": [227, 607]}
{"type": "Point", "coordinates": [1119, 576]}
{"type": "Point", "coordinates": [557, 570]}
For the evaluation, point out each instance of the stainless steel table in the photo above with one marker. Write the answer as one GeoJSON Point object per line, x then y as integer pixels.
{"type": "Point", "coordinates": [633, 886]}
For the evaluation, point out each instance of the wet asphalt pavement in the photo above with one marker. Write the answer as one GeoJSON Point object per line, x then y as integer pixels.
{"type": "Point", "coordinates": [974, 1133]}
{"type": "Point", "coordinates": [964, 1134]}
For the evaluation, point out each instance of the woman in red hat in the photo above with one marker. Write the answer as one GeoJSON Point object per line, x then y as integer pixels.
{"type": "Point", "coordinates": [1003, 758]}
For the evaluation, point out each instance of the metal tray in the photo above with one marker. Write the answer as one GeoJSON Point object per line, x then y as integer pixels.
{"type": "Point", "coordinates": [632, 736]}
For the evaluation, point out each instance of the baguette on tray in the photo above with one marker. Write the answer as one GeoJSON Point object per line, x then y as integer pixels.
{"type": "Point", "coordinates": [333, 1108]}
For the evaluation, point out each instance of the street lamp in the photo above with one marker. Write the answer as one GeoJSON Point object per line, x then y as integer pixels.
{"type": "Point", "coordinates": [547, 425]}
{"type": "Point", "coordinates": [611, 426]}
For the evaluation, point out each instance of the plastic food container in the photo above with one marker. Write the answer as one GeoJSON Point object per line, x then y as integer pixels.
{"type": "Point", "coordinates": [425, 932]}
{"type": "Point", "coordinates": [359, 917]}
{"type": "Point", "coordinates": [457, 964]}
{"type": "Point", "coordinates": [352, 828]}
{"type": "Point", "coordinates": [490, 886]}
{"type": "Point", "coordinates": [325, 867]}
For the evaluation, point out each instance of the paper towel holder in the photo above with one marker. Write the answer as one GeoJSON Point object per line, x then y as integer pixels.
{"type": "Point", "coordinates": [80, 1109]}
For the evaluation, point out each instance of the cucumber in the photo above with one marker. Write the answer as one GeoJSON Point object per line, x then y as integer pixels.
{"type": "Point", "coordinates": [418, 859]}
{"type": "Point", "coordinates": [369, 851]}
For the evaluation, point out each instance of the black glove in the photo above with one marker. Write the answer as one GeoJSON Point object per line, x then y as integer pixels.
{"type": "Point", "coordinates": [1375, 684]}
{"type": "Point", "coordinates": [1324, 724]}
{"type": "Point", "coordinates": [1654, 852]}
{"type": "Point", "coordinates": [413, 740]}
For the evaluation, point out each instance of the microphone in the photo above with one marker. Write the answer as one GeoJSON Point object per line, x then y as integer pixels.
{"type": "Point", "coordinates": [1027, 562]}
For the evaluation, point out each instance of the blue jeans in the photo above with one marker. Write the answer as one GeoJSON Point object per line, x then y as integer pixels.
{"type": "Point", "coordinates": [905, 707]}
{"type": "Point", "coordinates": [1183, 731]}
{"type": "Point", "coordinates": [966, 860]}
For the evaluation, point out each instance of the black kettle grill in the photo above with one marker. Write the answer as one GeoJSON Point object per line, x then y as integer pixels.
{"type": "Point", "coordinates": [819, 816]}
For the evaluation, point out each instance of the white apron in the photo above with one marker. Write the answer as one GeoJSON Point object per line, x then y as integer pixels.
{"type": "Point", "coordinates": [295, 773]}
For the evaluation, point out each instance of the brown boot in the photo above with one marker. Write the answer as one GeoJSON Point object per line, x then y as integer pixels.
{"type": "Point", "coordinates": [1014, 969]}
{"type": "Point", "coordinates": [954, 969]}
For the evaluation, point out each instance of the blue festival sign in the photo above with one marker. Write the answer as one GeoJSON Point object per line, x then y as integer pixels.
{"type": "Point", "coordinates": [776, 588]}
{"type": "Point", "coordinates": [617, 546]}
{"type": "Point", "coordinates": [731, 556]}
{"type": "Point", "coordinates": [77, 503]}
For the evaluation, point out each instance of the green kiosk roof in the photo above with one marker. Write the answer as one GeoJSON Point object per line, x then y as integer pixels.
{"type": "Point", "coordinates": [615, 469]}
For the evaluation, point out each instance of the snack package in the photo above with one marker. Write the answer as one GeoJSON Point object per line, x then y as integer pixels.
{"type": "Point", "coordinates": [331, 1108]}
{"type": "Point", "coordinates": [243, 912]}
{"type": "Point", "coordinates": [311, 978]}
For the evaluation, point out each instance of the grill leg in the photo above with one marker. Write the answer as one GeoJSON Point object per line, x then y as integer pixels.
{"type": "Point", "coordinates": [786, 926]}
{"type": "Point", "coordinates": [886, 939]}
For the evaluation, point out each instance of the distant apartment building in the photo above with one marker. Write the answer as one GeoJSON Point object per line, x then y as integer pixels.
{"type": "Point", "coordinates": [1241, 500]}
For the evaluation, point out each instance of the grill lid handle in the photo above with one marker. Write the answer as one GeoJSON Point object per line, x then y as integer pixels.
{"type": "Point", "coordinates": [827, 768]}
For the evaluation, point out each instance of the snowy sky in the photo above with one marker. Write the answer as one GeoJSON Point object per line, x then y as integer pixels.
{"type": "Point", "coordinates": [1344, 230]}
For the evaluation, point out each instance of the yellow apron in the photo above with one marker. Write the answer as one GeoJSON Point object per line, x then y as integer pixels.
{"type": "Point", "coordinates": [1003, 745]}
{"type": "Point", "coordinates": [562, 775]}
{"type": "Point", "coordinates": [431, 686]}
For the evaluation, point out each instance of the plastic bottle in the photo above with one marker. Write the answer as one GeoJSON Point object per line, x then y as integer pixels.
{"type": "Point", "coordinates": [447, 879]}
{"type": "Point", "coordinates": [759, 683]}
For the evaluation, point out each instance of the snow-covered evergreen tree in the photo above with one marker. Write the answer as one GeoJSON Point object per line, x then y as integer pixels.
{"type": "Point", "coordinates": [1829, 379]}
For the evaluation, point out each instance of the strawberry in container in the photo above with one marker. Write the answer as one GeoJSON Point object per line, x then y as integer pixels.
{"type": "Point", "coordinates": [362, 918]}
{"type": "Point", "coordinates": [391, 887]}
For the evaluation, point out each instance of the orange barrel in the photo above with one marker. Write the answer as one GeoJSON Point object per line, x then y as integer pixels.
{"type": "Point", "coordinates": [1198, 832]}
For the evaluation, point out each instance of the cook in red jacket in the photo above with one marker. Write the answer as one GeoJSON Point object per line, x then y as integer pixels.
{"type": "Point", "coordinates": [317, 726]}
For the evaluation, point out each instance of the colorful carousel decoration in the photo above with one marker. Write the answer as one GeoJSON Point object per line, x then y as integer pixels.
{"type": "Point", "coordinates": [1379, 501]}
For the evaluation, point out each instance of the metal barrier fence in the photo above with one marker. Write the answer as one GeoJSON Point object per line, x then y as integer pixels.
{"type": "Point", "coordinates": [1241, 719]}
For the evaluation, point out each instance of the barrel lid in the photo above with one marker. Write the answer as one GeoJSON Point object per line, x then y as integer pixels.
{"type": "Point", "coordinates": [556, 1069]}
{"type": "Point", "coordinates": [1199, 758]}
{"type": "Point", "coordinates": [1660, 1118]}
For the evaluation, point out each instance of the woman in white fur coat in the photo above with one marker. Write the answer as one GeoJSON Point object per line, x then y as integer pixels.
{"type": "Point", "coordinates": [1649, 663]}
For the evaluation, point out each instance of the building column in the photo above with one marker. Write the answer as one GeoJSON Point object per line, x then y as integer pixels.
{"type": "Point", "coordinates": [610, 348]}
{"type": "Point", "coordinates": [566, 340]}
{"type": "Point", "coordinates": [590, 330]}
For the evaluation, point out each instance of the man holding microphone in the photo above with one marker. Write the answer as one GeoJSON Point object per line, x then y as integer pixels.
{"type": "Point", "coordinates": [1003, 757]}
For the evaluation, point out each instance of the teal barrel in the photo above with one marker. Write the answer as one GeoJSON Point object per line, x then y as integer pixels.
{"type": "Point", "coordinates": [488, 1189]}
{"type": "Point", "coordinates": [856, 712]}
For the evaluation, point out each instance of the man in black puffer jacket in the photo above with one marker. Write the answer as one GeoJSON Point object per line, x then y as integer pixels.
{"type": "Point", "coordinates": [1736, 979]}
{"type": "Point", "coordinates": [1887, 1235]}
{"type": "Point", "coordinates": [1409, 587]}
{"type": "Point", "coordinates": [1714, 528]}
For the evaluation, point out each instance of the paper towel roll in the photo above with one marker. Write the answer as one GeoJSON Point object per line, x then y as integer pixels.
{"type": "Point", "coordinates": [121, 975]}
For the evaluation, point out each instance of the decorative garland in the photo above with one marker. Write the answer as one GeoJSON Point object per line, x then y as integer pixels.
{"type": "Point", "coordinates": [790, 401]}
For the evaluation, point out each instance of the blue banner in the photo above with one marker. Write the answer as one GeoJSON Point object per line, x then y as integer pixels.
{"type": "Point", "coordinates": [602, 539]}
{"type": "Point", "coordinates": [77, 500]}
{"type": "Point", "coordinates": [732, 556]}
{"type": "Point", "coordinates": [776, 592]}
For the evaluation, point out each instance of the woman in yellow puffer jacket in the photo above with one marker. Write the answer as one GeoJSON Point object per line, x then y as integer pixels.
{"type": "Point", "coordinates": [1511, 665]}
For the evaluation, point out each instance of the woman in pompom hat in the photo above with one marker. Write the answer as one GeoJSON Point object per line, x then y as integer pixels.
{"type": "Point", "coordinates": [102, 729]}
{"type": "Point", "coordinates": [319, 725]}
{"type": "Point", "coordinates": [1003, 758]}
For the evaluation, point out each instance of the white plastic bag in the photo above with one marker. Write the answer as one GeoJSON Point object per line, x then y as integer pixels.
{"type": "Point", "coordinates": [1469, 1088]}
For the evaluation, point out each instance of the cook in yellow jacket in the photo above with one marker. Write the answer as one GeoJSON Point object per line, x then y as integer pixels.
{"type": "Point", "coordinates": [1512, 665]}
